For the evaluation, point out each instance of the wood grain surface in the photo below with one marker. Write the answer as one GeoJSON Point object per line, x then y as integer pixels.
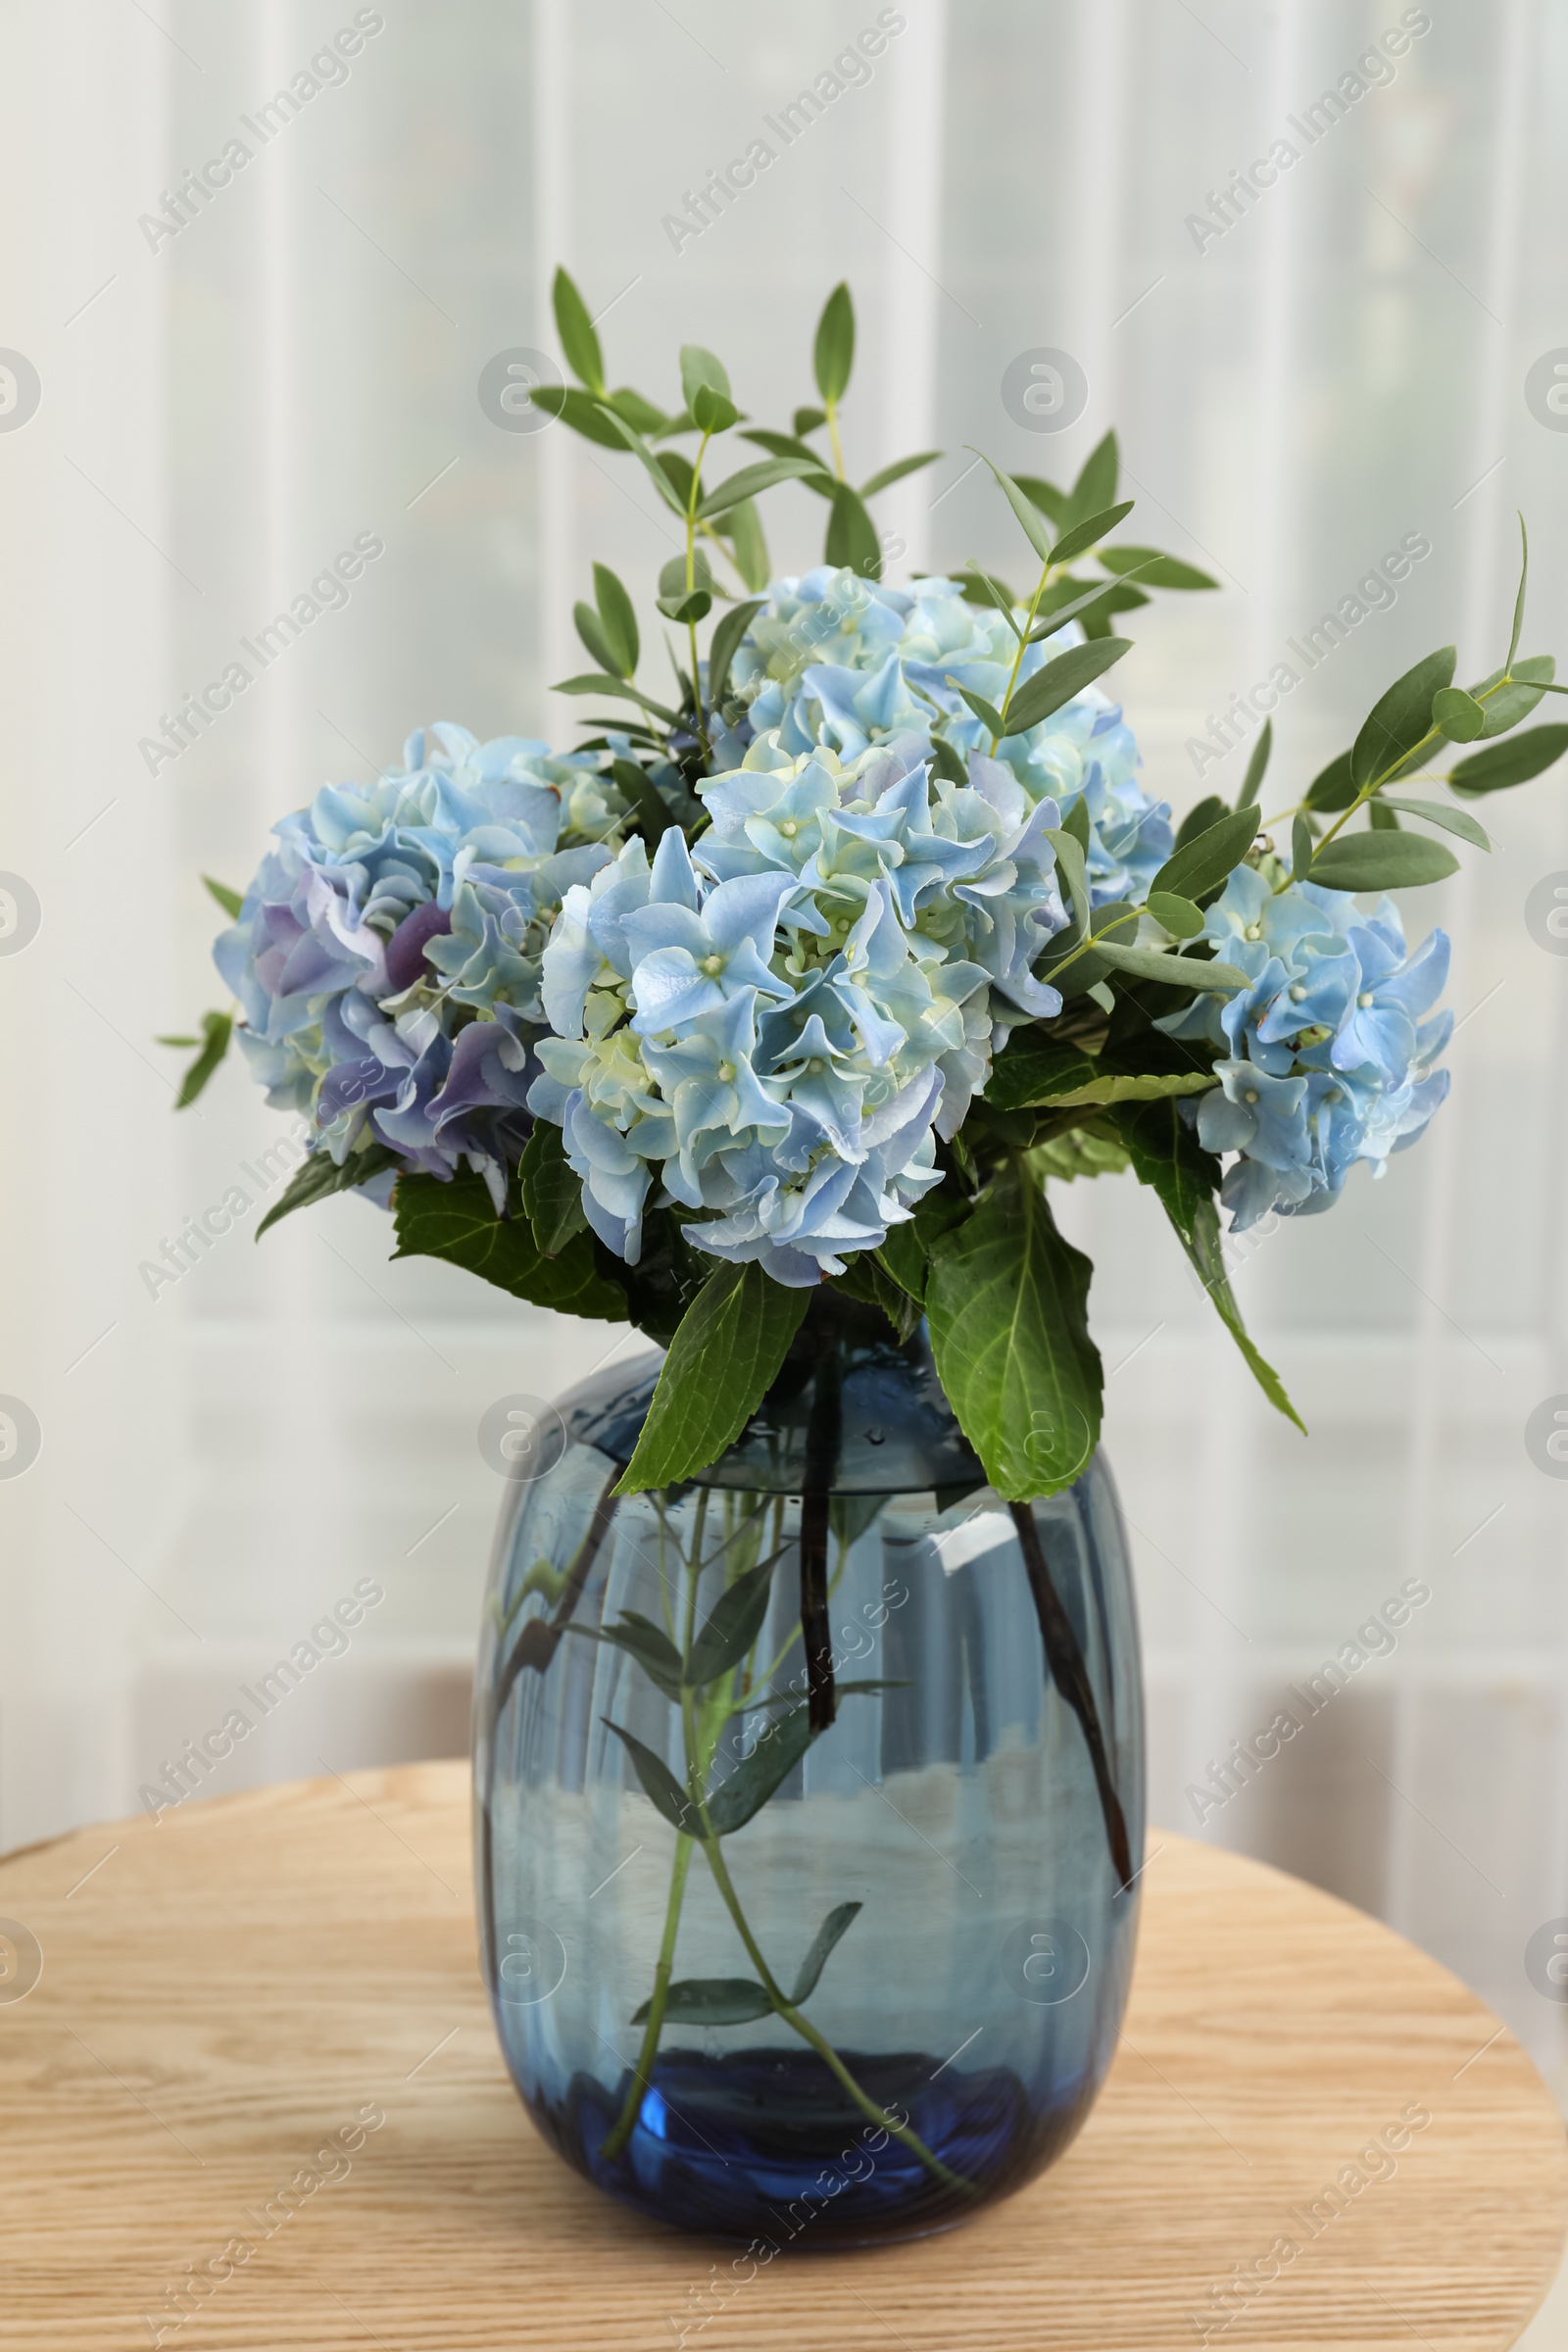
{"type": "Point", "coordinates": [251, 1982]}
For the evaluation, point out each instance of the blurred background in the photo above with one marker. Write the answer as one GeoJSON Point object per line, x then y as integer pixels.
{"type": "Point", "coordinates": [199, 412]}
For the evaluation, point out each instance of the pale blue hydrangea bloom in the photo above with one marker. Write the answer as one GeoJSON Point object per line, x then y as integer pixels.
{"type": "Point", "coordinates": [1327, 1057]}
{"type": "Point", "coordinates": [774, 1025]}
{"type": "Point", "coordinates": [388, 956]}
{"type": "Point", "coordinates": [843, 662]}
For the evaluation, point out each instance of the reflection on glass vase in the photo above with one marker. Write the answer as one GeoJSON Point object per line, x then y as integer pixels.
{"type": "Point", "coordinates": [806, 1802]}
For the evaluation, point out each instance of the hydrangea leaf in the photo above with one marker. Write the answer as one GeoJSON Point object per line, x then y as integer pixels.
{"type": "Point", "coordinates": [1005, 1301]}
{"type": "Point", "coordinates": [722, 1361]}
{"type": "Point", "coordinates": [320, 1176]}
{"type": "Point", "coordinates": [1168, 1157]}
{"type": "Point", "coordinates": [865, 1279]}
{"type": "Point", "coordinates": [551, 1189]}
{"type": "Point", "coordinates": [457, 1220]}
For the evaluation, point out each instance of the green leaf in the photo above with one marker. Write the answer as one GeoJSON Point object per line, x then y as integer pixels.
{"type": "Point", "coordinates": [751, 482]}
{"type": "Point", "coordinates": [618, 620]}
{"type": "Point", "coordinates": [617, 434]}
{"type": "Point", "coordinates": [601, 682]}
{"type": "Point", "coordinates": [659, 1785]}
{"type": "Point", "coordinates": [648, 1644]}
{"type": "Point", "coordinates": [677, 472]}
{"type": "Point", "coordinates": [1061, 679]}
{"type": "Point", "coordinates": [903, 1257]}
{"type": "Point", "coordinates": [996, 594]}
{"type": "Point", "coordinates": [766, 1768]}
{"type": "Point", "coordinates": [1302, 838]}
{"type": "Point", "coordinates": [551, 1189]}
{"type": "Point", "coordinates": [833, 353]}
{"type": "Point", "coordinates": [735, 1623]}
{"type": "Point", "coordinates": [1006, 1303]}
{"type": "Point", "coordinates": [744, 526]}
{"type": "Point", "coordinates": [457, 1220]}
{"type": "Point", "coordinates": [711, 2002]}
{"type": "Point", "coordinates": [1094, 528]}
{"type": "Point", "coordinates": [1519, 600]}
{"type": "Point", "coordinates": [1052, 501]}
{"type": "Point", "coordinates": [867, 1279]}
{"type": "Point", "coordinates": [578, 340]}
{"type": "Point", "coordinates": [1438, 812]}
{"type": "Point", "coordinates": [889, 474]}
{"type": "Point", "coordinates": [590, 628]}
{"type": "Point", "coordinates": [1381, 861]}
{"type": "Point", "coordinates": [1257, 766]}
{"type": "Point", "coordinates": [697, 368]}
{"type": "Point", "coordinates": [1167, 1156]}
{"type": "Point", "coordinates": [1203, 864]}
{"type": "Point", "coordinates": [645, 796]}
{"type": "Point", "coordinates": [1507, 706]}
{"type": "Point", "coordinates": [725, 644]}
{"type": "Point", "coordinates": [217, 1030]}
{"type": "Point", "coordinates": [852, 536]}
{"type": "Point", "coordinates": [1506, 764]}
{"type": "Point", "coordinates": [1024, 507]}
{"type": "Point", "coordinates": [790, 445]}
{"type": "Point", "coordinates": [1176, 914]}
{"type": "Point", "coordinates": [1332, 788]}
{"type": "Point", "coordinates": [987, 713]}
{"type": "Point", "coordinates": [1155, 569]}
{"type": "Point", "coordinates": [713, 411]}
{"type": "Point", "coordinates": [1460, 716]}
{"type": "Point", "coordinates": [1206, 813]}
{"type": "Point", "coordinates": [1033, 1068]}
{"type": "Point", "coordinates": [1096, 486]}
{"type": "Point", "coordinates": [808, 420]}
{"type": "Point", "coordinates": [1401, 719]}
{"type": "Point", "coordinates": [320, 1176]}
{"type": "Point", "coordinates": [946, 762]}
{"type": "Point", "coordinates": [1071, 860]}
{"type": "Point", "coordinates": [580, 410]}
{"type": "Point", "coordinates": [826, 1936]}
{"type": "Point", "coordinates": [722, 1364]}
{"type": "Point", "coordinates": [232, 902]}
{"type": "Point", "coordinates": [1056, 611]}
{"type": "Point", "coordinates": [640, 415]}
{"type": "Point", "coordinates": [688, 606]}
{"type": "Point", "coordinates": [1172, 971]}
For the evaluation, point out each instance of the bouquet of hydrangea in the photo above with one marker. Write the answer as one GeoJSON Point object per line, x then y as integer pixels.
{"type": "Point", "coordinates": [822, 967]}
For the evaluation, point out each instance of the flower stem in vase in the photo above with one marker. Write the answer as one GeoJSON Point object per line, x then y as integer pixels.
{"type": "Point", "coordinates": [1065, 1661]}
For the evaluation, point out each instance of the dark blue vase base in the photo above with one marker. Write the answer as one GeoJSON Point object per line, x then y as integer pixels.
{"type": "Point", "coordinates": [767, 2145]}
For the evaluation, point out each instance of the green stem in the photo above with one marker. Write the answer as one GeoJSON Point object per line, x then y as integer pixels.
{"type": "Point", "coordinates": [832, 408]}
{"type": "Point", "coordinates": [642, 2076]}
{"type": "Point", "coordinates": [798, 2023]}
{"type": "Point", "coordinates": [692, 497]}
{"type": "Point", "coordinates": [1017, 659]}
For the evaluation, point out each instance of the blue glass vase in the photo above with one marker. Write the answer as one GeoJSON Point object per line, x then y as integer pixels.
{"type": "Point", "coordinates": [808, 1804]}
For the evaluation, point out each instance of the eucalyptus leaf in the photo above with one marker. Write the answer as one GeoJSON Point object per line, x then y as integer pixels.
{"type": "Point", "coordinates": [725, 644]}
{"type": "Point", "coordinates": [1519, 600]}
{"type": "Point", "coordinates": [232, 902]}
{"type": "Point", "coordinates": [734, 1625]}
{"type": "Point", "coordinates": [645, 796]}
{"type": "Point", "coordinates": [1438, 812]}
{"type": "Point", "coordinates": [1381, 861]}
{"type": "Point", "coordinates": [1096, 486]}
{"type": "Point", "coordinates": [619, 620]}
{"type": "Point", "coordinates": [1333, 788]}
{"type": "Point", "coordinates": [711, 2002]}
{"type": "Point", "coordinates": [658, 1783]}
{"type": "Point", "coordinates": [1206, 812]}
{"type": "Point", "coordinates": [744, 525]}
{"type": "Point", "coordinates": [1203, 864]}
{"type": "Point", "coordinates": [1172, 971]}
{"type": "Point", "coordinates": [852, 536]}
{"type": "Point", "coordinates": [218, 1028]}
{"type": "Point", "coordinates": [1301, 845]}
{"type": "Point", "coordinates": [1024, 507]}
{"type": "Point", "coordinates": [591, 630]}
{"type": "Point", "coordinates": [1061, 679]}
{"type": "Point", "coordinates": [1460, 716]}
{"type": "Point", "coordinates": [713, 411]}
{"type": "Point", "coordinates": [579, 409]}
{"type": "Point", "coordinates": [640, 415]}
{"type": "Point", "coordinates": [754, 1781]}
{"type": "Point", "coordinates": [699, 369]}
{"type": "Point", "coordinates": [833, 353]}
{"type": "Point", "coordinates": [751, 482]}
{"type": "Point", "coordinates": [1257, 766]}
{"type": "Point", "coordinates": [889, 474]}
{"type": "Point", "coordinates": [987, 713]}
{"type": "Point", "coordinates": [1506, 705]}
{"type": "Point", "coordinates": [1506, 763]}
{"type": "Point", "coordinates": [1086, 534]}
{"type": "Point", "coordinates": [1401, 720]}
{"type": "Point", "coordinates": [1176, 914]}
{"type": "Point", "coordinates": [644, 1643]}
{"type": "Point", "coordinates": [1155, 569]}
{"type": "Point", "coordinates": [723, 1360]}
{"type": "Point", "coordinates": [826, 1936]}
{"type": "Point", "coordinates": [1052, 501]}
{"type": "Point", "coordinates": [619, 435]}
{"type": "Point", "coordinates": [578, 340]}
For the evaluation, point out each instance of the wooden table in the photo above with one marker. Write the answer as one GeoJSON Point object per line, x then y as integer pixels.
{"type": "Point", "coordinates": [226, 1992]}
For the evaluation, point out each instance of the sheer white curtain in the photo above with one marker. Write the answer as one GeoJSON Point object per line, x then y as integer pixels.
{"type": "Point", "coordinates": [1333, 368]}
